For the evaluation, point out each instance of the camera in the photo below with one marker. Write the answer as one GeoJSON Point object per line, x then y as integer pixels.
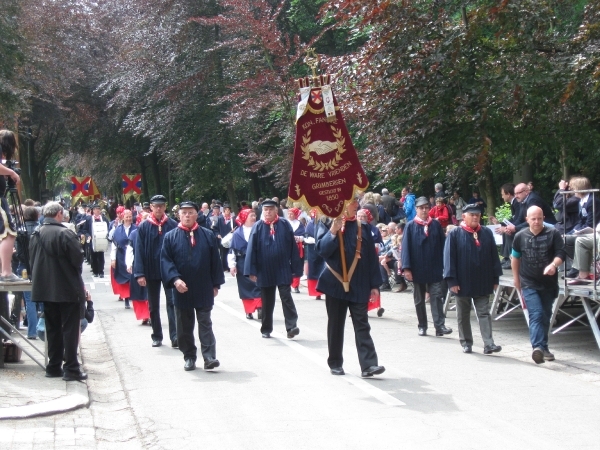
{"type": "Point", "coordinates": [12, 164]}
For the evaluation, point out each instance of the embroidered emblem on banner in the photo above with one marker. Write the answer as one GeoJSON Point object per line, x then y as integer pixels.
{"type": "Point", "coordinates": [315, 96]}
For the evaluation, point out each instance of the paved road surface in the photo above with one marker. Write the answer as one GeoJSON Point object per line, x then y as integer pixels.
{"type": "Point", "coordinates": [278, 393]}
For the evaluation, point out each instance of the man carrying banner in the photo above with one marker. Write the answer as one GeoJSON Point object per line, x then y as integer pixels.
{"type": "Point", "coordinates": [349, 286]}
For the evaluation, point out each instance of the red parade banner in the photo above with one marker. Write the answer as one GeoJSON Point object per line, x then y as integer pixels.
{"type": "Point", "coordinates": [326, 171]}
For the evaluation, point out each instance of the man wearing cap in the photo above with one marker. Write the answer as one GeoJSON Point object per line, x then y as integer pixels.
{"type": "Point", "coordinates": [272, 260]}
{"type": "Point", "coordinates": [423, 264]}
{"type": "Point", "coordinates": [190, 263]}
{"type": "Point", "coordinates": [350, 289]}
{"type": "Point", "coordinates": [146, 267]}
{"type": "Point", "coordinates": [472, 269]}
{"type": "Point", "coordinates": [96, 258]}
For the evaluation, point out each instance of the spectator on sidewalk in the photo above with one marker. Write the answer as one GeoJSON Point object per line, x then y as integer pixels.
{"type": "Point", "coordinates": [55, 261]}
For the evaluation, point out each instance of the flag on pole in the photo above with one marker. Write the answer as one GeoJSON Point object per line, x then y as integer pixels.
{"type": "Point", "coordinates": [132, 185]}
{"type": "Point", "coordinates": [93, 192]}
{"type": "Point", "coordinates": [79, 188]}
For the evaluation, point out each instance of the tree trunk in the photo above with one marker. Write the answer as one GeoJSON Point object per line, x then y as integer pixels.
{"type": "Point", "coordinates": [523, 174]}
{"type": "Point", "coordinates": [142, 164]}
{"type": "Point", "coordinates": [490, 190]}
{"type": "Point", "coordinates": [563, 163]}
{"type": "Point", "coordinates": [232, 196]}
{"type": "Point", "coordinates": [155, 172]}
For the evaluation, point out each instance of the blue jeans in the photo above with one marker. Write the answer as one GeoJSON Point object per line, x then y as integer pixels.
{"type": "Point", "coordinates": [30, 308]}
{"type": "Point", "coordinates": [539, 304]}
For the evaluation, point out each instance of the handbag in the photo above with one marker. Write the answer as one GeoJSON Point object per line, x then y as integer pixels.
{"type": "Point", "coordinates": [226, 240]}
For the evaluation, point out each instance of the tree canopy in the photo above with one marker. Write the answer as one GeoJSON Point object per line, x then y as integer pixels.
{"type": "Point", "coordinates": [199, 96]}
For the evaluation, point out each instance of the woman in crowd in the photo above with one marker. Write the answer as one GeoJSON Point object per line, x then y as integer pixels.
{"type": "Point", "coordinates": [137, 294]}
{"type": "Point", "coordinates": [119, 276]}
{"type": "Point", "coordinates": [247, 289]}
{"type": "Point", "coordinates": [316, 264]}
{"type": "Point", "coordinates": [299, 230]}
{"type": "Point", "coordinates": [364, 215]}
{"type": "Point", "coordinates": [8, 232]}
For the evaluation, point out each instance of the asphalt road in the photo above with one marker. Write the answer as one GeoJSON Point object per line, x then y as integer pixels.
{"type": "Point", "coordinates": [278, 393]}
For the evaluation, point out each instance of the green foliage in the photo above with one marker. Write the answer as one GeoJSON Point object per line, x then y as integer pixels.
{"type": "Point", "coordinates": [503, 212]}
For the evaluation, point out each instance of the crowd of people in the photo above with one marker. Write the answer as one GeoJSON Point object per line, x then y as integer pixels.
{"type": "Point", "coordinates": [432, 245]}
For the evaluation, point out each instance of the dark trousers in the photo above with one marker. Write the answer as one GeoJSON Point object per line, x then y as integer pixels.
{"type": "Point", "coordinates": [62, 335]}
{"type": "Point", "coordinates": [224, 251]}
{"type": "Point", "coordinates": [153, 287]}
{"type": "Point", "coordinates": [185, 332]}
{"type": "Point", "coordinates": [570, 245]}
{"type": "Point", "coordinates": [436, 300]}
{"type": "Point", "coordinates": [507, 241]}
{"type": "Point", "coordinates": [337, 310]}
{"type": "Point", "coordinates": [267, 295]}
{"type": "Point", "coordinates": [97, 263]}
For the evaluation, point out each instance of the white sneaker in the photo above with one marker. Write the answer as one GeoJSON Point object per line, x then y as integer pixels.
{"type": "Point", "coordinates": [303, 278]}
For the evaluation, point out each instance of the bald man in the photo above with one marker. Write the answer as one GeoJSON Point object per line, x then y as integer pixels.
{"type": "Point", "coordinates": [537, 253]}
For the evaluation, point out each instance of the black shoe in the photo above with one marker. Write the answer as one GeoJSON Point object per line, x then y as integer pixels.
{"type": "Point", "coordinates": [101, 275]}
{"type": "Point", "coordinates": [293, 332]}
{"type": "Point", "coordinates": [422, 331]}
{"type": "Point", "coordinates": [127, 306]}
{"type": "Point", "coordinates": [385, 287]}
{"type": "Point", "coordinates": [211, 364]}
{"type": "Point", "coordinates": [467, 348]}
{"type": "Point", "coordinates": [190, 364]}
{"type": "Point", "coordinates": [373, 370]}
{"type": "Point", "coordinates": [75, 376]}
{"type": "Point", "coordinates": [266, 335]}
{"type": "Point", "coordinates": [489, 349]}
{"type": "Point", "coordinates": [506, 265]}
{"type": "Point", "coordinates": [174, 343]}
{"type": "Point", "coordinates": [443, 330]}
{"type": "Point", "coordinates": [56, 374]}
{"type": "Point", "coordinates": [572, 273]}
{"type": "Point", "coordinates": [296, 290]}
{"type": "Point", "coordinates": [156, 343]}
{"type": "Point", "coordinates": [318, 297]}
{"type": "Point", "coordinates": [380, 312]}
{"type": "Point", "coordinates": [337, 371]}
{"type": "Point", "coordinates": [249, 316]}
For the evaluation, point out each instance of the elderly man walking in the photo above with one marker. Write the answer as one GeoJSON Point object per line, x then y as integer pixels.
{"type": "Point", "coordinates": [56, 258]}
{"type": "Point", "coordinates": [423, 261]}
{"type": "Point", "coordinates": [190, 262]}
{"type": "Point", "coordinates": [272, 260]}
{"type": "Point", "coordinates": [537, 253]}
{"type": "Point", "coordinates": [472, 270]}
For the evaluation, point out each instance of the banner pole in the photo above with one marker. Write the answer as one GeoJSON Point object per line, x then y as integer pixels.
{"type": "Point", "coordinates": [346, 283]}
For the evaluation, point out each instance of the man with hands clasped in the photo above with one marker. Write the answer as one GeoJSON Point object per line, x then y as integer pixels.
{"type": "Point", "coordinates": [190, 262]}
{"type": "Point", "coordinates": [537, 253]}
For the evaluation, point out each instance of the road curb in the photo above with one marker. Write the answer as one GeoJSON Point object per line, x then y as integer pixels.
{"type": "Point", "coordinates": [77, 397]}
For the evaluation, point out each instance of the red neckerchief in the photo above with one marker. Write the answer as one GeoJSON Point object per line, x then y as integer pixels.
{"type": "Point", "coordinates": [97, 218]}
{"type": "Point", "coordinates": [472, 231]}
{"type": "Point", "coordinates": [154, 221]}
{"type": "Point", "coordinates": [191, 231]}
{"type": "Point", "coordinates": [346, 219]}
{"type": "Point", "coordinates": [272, 230]}
{"type": "Point", "coordinates": [227, 217]}
{"type": "Point", "coordinates": [424, 223]}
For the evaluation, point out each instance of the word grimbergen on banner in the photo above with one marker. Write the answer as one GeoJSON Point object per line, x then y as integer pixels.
{"type": "Point", "coordinates": [326, 171]}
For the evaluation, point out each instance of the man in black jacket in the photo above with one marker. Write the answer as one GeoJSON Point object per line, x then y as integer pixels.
{"type": "Point", "coordinates": [55, 259]}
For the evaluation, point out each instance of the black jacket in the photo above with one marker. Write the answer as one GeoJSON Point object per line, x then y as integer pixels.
{"type": "Point", "coordinates": [55, 259]}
